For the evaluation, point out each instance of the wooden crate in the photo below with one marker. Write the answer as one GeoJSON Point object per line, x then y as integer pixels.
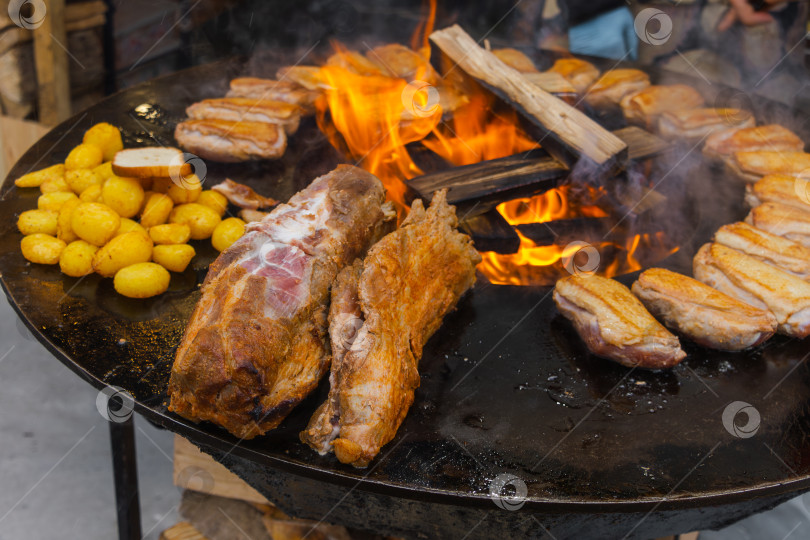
{"type": "Point", "coordinates": [83, 23]}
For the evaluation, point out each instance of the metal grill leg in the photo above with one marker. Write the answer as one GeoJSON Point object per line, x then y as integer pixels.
{"type": "Point", "coordinates": [125, 473]}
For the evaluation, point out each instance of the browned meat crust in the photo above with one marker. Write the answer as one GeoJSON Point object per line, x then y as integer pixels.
{"type": "Point", "coordinates": [289, 92]}
{"type": "Point", "coordinates": [256, 344]}
{"type": "Point", "coordinates": [247, 110]}
{"type": "Point", "coordinates": [704, 315]}
{"type": "Point", "coordinates": [410, 280]}
{"type": "Point", "coordinates": [614, 324]}
{"type": "Point", "coordinates": [228, 142]}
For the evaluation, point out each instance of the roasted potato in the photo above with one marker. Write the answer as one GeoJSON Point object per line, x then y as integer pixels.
{"type": "Point", "coordinates": [157, 210]}
{"type": "Point", "coordinates": [185, 190]}
{"type": "Point", "coordinates": [124, 195]}
{"type": "Point", "coordinates": [106, 137]}
{"type": "Point", "coordinates": [123, 250]}
{"type": "Point", "coordinates": [64, 231]}
{"type": "Point", "coordinates": [214, 200]}
{"type": "Point", "coordinates": [84, 156]}
{"type": "Point", "coordinates": [80, 179]}
{"type": "Point", "coordinates": [42, 248]}
{"type": "Point", "coordinates": [91, 194]}
{"type": "Point", "coordinates": [54, 201]}
{"type": "Point", "coordinates": [37, 178]}
{"type": "Point", "coordinates": [54, 185]}
{"type": "Point", "coordinates": [227, 232]}
{"type": "Point", "coordinates": [128, 225]}
{"type": "Point", "coordinates": [170, 233]}
{"type": "Point", "coordinates": [95, 223]}
{"type": "Point", "coordinates": [104, 171]}
{"type": "Point", "coordinates": [142, 280]}
{"type": "Point", "coordinates": [201, 220]}
{"type": "Point", "coordinates": [173, 257]}
{"type": "Point", "coordinates": [37, 221]}
{"type": "Point", "coordinates": [77, 258]}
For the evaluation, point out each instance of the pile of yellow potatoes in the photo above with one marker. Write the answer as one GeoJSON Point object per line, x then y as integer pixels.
{"type": "Point", "coordinates": [85, 219]}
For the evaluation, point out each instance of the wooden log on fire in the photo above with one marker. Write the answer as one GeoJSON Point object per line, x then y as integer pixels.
{"type": "Point", "coordinates": [568, 134]}
{"type": "Point", "coordinates": [491, 232]}
{"type": "Point", "coordinates": [477, 188]}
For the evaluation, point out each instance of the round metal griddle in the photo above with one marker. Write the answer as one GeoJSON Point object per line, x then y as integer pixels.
{"type": "Point", "coordinates": [507, 386]}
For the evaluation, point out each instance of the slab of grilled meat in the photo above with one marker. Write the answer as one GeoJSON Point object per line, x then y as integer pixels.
{"type": "Point", "coordinates": [773, 137]}
{"type": "Point", "coordinates": [782, 220]}
{"type": "Point", "coordinates": [701, 313]}
{"type": "Point", "coordinates": [779, 188]}
{"type": "Point", "coordinates": [228, 142]}
{"type": "Point", "coordinates": [614, 324]}
{"type": "Point", "coordinates": [757, 283]}
{"type": "Point", "coordinates": [284, 114]}
{"type": "Point", "coordinates": [383, 312]}
{"type": "Point", "coordinates": [785, 254]}
{"type": "Point", "coordinates": [256, 343]}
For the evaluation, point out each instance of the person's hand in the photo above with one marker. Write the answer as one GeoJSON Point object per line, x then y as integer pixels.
{"type": "Point", "coordinates": [744, 12]}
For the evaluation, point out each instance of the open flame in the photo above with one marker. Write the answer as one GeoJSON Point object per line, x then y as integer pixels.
{"type": "Point", "coordinates": [535, 264]}
{"type": "Point", "coordinates": [374, 117]}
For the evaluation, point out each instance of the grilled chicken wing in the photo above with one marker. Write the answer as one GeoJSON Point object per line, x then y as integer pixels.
{"type": "Point", "coordinates": [229, 142]}
{"type": "Point", "coordinates": [723, 144]}
{"type": "Point", "coordinates": [256, 344]}
{"type": "Point", "coordinates": [790, 256]}
{"type": "Point", "coordinates": [614, 85]}
{"type": "Point", "coordinates": [779, 188]}
{"type": "Point", "coordinates": [752, 166]}
{"type": "Point", "coordinates": [704, 315]}
{"type": "Point", "coordinates": [698, 123]}
{"type": "Point", "coordinates": [614, 324]}
{"type": "Point", "coordinates": [409, 281]}
{"type": "Point", "coordinates": [286, 91]}
{"type": "Point", "coordinates": [247, 110]}
{"type": "Point", "coordinates": [515, 59]}
{"type": "Point", "coordinates": [782, 220]}
{"type": "Point", "coordinates": [646, 106]}
{"type": "Point", "coordinates": [757, 283]}
{"type": "Point", "coordinates": [579, 73]}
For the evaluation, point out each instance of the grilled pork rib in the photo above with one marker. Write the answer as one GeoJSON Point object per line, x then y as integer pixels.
{"type": "Point", "coordinates": [757, 283]}
{"type": "Point", "coordinates": [408, 282]}
{"type": "Point", "coordinates": [614, 324]}
{"type": "Point", "coordinates": [704, 315]}
{"type": "Point", "coordinates": [256, 344]}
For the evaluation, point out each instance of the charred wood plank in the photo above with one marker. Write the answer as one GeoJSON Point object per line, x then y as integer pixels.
{"type": "Point", "coordinates": [569, 134]}
{"type": "Point", "coordinates": [641, 144]}
{"type": "Point", "coordinates": [565, 231]}
{"type": "Point", "coordinates": [498, 179]}
{"type": "Point", "coordinates": [491, 232]}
